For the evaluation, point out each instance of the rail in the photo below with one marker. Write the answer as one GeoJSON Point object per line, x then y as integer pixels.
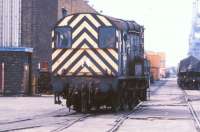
{"type": "Point", "coordinates": [193, 112]}
{"type": "Point", "coordinates": [65, 126]}
{"type": "Point", "coordinates": [124, 117]}
{"type": "Point", "coordinates": [16, 126]}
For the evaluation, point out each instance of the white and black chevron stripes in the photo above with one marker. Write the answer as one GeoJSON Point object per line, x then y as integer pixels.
{"type": "Point", "coordinates": [85, 56]}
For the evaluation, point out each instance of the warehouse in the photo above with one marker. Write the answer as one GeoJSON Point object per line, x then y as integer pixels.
{"type": "Point", "coordinates": [15, 71]}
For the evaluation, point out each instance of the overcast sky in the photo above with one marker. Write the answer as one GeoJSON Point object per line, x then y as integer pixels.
{"type": "Point", "coordinates": [167, 22]}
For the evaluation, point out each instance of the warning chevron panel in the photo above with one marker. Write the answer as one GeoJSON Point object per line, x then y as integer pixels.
{"type": "Point", "coordinates": [72, 60]}
{"type": "Point", "coordinates": [85, 56]}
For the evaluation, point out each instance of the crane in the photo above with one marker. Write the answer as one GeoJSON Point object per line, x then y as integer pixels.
{"type": "Point", "coordinates": [194, 40]}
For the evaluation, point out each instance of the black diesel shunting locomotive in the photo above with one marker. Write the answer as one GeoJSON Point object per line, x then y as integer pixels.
{"type": "Point", "coordinates": [188, 76]}
{"type": "Point", "coordinates": [98, 60]}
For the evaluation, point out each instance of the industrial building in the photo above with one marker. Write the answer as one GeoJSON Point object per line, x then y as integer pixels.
{"type": "Point", "coordinates": [26, 24]}
{"type": "Point", "coordinates": [15, 71]}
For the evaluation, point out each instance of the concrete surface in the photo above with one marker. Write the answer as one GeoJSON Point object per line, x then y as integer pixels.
{"type": "Point", "coordinates": [166, 111]}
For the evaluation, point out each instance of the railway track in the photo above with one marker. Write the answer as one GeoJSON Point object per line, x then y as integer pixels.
{"type": "Point", "coordinates": [62, 121]}
{"type": "Point", "coordinates": [53, 113]}
{"type": "Point", "coordinates": [192, 111]}
{"type": "Point", "coordinates": [33, 122]}
{"type": "Point", "coordinates": [115, 127]}
{"type": "Point", "coordinates": [123, 118]}
{"type": "Point", "coordinates": [70, 123]}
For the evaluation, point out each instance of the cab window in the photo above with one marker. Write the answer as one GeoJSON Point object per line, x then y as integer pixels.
{"type": "Point", "coordinates": [107, 37]}
{"type": "Point", "coordinates": [136, 45]}
{"type": "Point", "coordinates": [63, 37]}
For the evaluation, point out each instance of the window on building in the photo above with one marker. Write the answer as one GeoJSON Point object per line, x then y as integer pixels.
{"type": "Point", "coordinates": [43, 66]}
{"type": "Point", "coordinates": [63, 37]}
{"type": "Point", "coordinates": [107, 37]}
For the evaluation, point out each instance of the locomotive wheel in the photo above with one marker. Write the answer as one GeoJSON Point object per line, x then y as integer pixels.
{"type": "Point", "coordinates": [130, 100]}
{"type": "Point", "coordinates": [84, 106]}
{"type": "Point", "coordinates": [115, 107]}
{"type": "Point", "coordinates": [115, 102]}
{"type": "Point", "coordinates": [124, 96]}
{"type": "Point", "coordinates": [143, 95]}
{"type": "Point", "coordinates": [124, 101]}
{"type": "Point", "coordinates": [77, 103]}
{"type": "Point", "coordinates": [131, 105]}
{"type": "Point", "coordinates": [124, 104]}
{"type": "Point", "coordinates": [84, 99]}
{"type": "Point", "coordinates": [77, 108]}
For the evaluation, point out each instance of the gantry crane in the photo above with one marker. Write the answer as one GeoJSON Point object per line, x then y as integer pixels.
{"type": "Point", "coordinates": [194, 41]}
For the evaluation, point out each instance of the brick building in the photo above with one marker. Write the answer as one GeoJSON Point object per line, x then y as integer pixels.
{"type": "Point", "coordinates": [74, 6]}
{"type": "Point", "coordinates": [28, 23]}
{"type": "Point", "coordinates": [37, 21]}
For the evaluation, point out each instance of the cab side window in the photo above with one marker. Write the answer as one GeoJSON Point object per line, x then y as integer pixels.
{"type": "Point", "coordinates": [63, 37]}
{"type": "Point", "coordinates": [107, 37]}
{"type": "Point", "coordinates": [136, 45]}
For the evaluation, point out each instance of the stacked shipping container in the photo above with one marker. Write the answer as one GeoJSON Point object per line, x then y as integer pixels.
{"type": "Point", "coordinates": [157, 61]}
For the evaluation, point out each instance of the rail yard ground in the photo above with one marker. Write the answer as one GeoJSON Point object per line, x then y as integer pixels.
{"type": "Point", "coordinates": [169, 109]}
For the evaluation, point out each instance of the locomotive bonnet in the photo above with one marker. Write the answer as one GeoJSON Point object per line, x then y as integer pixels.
{"type": "Point", "coordinates": [99, 60]}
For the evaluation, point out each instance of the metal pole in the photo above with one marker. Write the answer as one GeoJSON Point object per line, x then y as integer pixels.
{"type": "Point", "coordinates": [71, 6]}
{"type": "Point", "coordinates": [3, 77]}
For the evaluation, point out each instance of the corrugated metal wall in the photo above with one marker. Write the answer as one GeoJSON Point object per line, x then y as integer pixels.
{"type": "Point", "coordinates": [10, 23]}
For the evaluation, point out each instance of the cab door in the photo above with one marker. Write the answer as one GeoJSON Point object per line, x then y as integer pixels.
{"type": "Point", "coordinates": [26, 77]}
{"type": "Point", "coordinates": [124, 54]}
